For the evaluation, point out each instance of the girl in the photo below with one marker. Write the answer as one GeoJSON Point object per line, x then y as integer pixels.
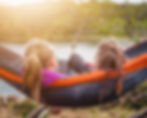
{"type": "Point", "coordinates": [110, 56]}
{"type": "Point", "coordinates": [39, 68]}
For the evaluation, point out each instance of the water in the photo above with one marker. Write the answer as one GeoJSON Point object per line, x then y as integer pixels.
{"type": "Point", "coordinates": [6, 90]}
{"type": "Point", "coordinates": [62, 51]}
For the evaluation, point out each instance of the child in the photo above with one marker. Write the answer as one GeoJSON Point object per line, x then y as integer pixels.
{"type": "Point", "coordinates": [39, 68]}
{"type": "Point", "coordinates": [109, 57]}
{"type": "Point", "coordinates": [77, 63]}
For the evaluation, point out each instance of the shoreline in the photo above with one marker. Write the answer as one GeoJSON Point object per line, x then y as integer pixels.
{"type": "Point", "coordinates": [62, 41]}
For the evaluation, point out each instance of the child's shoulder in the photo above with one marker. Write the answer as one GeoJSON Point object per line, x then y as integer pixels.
{"type": "Point", "coordinates": [47, 72]}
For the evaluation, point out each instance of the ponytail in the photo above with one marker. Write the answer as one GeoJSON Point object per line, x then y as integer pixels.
{"type": "Point", "coordinates": [38, 54]}
{"type": "Point", "coordinates": [32, 75]}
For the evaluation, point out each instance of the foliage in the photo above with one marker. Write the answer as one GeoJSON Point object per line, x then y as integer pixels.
{"type": "Point", "coordinates": [138, 97]}
{"type": "Point", "coordinates": [66, 21]}
{"type": "Point", "coordinates": [24, 108]}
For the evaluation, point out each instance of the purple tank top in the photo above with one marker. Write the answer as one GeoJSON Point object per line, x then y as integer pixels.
{"type": "Point", "coordinates": [49, 77]}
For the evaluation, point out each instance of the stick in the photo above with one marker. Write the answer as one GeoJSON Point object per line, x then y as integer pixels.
{"type": "Point", "coordinates": [37, 112]}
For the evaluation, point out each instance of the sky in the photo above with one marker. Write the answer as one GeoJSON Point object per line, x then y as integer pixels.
{"type": "Point", "coordinates": [18, 2]}
{"type": "Point", "coordinates": [132, 1]}
{"type": "Point", "coordinates": [122, 1]}
{"type": "Point", "coordinates": [21, 2]}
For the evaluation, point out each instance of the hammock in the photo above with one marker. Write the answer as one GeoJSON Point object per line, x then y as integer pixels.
{"type": "Point", "coordinates": [83, 89]}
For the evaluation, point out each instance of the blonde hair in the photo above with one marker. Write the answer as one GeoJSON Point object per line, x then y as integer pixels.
{"type": "Point", "coordinates": [37, 57]}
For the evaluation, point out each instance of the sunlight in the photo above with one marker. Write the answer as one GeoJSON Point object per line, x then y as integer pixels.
{"type": "Point", "coordinates": [19, 2]}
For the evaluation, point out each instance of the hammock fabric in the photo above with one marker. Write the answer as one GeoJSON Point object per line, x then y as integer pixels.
{"type": "Point", "coordinates": [84, 89]}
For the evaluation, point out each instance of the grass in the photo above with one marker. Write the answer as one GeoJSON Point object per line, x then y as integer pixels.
{"type": "Point", "coordinates": [134, 101]}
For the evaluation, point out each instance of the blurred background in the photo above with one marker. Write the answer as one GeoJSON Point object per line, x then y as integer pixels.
{"type": "Point", "coordinates": [66, 20]}
{"type": "Point", "coordinates": [63, 22]}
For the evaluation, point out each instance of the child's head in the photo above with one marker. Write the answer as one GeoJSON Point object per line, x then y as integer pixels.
{"type": "Point", "coordinates": [108, 45]}
{"type": "Point", "coordinates": [108, 54]}
{"type": "Point", "coordinates": [38, 56]}
{"type": "Point", "coordinates": [43, 52]}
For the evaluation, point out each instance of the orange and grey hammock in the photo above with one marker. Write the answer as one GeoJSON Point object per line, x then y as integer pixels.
{"type": "Point", "coordinates": [83, 89]}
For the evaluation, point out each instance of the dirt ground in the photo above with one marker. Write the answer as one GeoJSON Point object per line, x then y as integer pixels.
{"type": "Point", "coordinates": [88, 112]}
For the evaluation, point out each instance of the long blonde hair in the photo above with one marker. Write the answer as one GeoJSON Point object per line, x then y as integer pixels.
{"type": "Point", "coordinates": [37, 57]}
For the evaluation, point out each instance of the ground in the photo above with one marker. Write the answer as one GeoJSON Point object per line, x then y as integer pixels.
{"type": "Point", "coordinates": [127, 105]}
